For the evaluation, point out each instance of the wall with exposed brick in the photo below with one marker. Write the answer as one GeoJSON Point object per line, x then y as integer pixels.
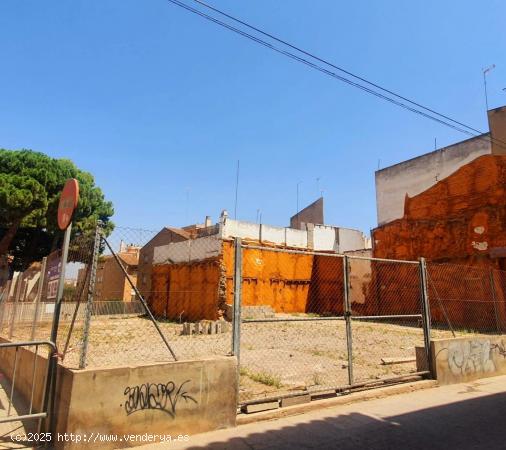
{"type": "Point", "coordinates": [460, 220]}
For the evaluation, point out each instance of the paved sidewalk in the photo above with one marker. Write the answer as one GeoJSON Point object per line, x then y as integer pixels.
{"type": "Point", "coordinates": [463, 416]}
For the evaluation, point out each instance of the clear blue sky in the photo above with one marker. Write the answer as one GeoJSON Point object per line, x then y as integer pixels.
{"type": "Point", "coordinates": [157, 102]}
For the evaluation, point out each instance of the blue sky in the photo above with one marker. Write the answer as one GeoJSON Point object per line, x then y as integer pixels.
{"type": "Point", "coordinates": [159, 104]}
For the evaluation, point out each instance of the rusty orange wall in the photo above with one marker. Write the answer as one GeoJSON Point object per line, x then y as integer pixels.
{"type": "Point", "coordinates": [186, 290]}
{"type": "Point", "coordinates": [326, 292]}
{"type": "Point", "coordinates": [453, 219]}
{"type": "Point", "coordinates": [157, 300]}
{"type": "Point", "coordinates": [288, 282]}
{"type": "Point", "coordinates": [462, 220]}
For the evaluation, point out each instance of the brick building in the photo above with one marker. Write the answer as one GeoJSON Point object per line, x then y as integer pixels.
{"type": "Point", "coordinates": [449, 206]}
{"type": "Point", "coordinates": [193, 280]}
{"type": "Point", "coordinates": [111, 283]}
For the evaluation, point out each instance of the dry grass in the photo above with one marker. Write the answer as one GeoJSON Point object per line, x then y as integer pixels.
{"type": "Point", "coordinates": [279, 357]}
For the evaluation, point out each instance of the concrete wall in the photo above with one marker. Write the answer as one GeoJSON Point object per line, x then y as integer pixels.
{"type": "Point", "coordinates": [418, 174]}
{"type": "Point", "coordinates": [186, 251]}
{"type": "Point", "coordinates": [465, 359]}
{"type": "Point", "coordinates": [177, 398]}
{"type": "Point", "coordinates": [310, 214]}
{"type": "Point", "coordinates": [318, 237]}
{"type": "Point", "coordinates": [497, 125]}
{"type": "Point", "coordinates": [146, 255]}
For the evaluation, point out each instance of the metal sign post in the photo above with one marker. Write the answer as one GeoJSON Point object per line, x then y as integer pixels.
{"type": "Point", "coordinates": [68, 203]}
{"type": "Point", "coordinates": [66, 207]}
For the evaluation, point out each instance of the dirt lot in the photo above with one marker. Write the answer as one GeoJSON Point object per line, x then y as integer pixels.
{"type": "Point", "coordinates": [276, 358]}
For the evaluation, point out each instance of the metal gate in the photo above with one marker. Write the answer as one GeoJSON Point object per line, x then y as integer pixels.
{"type": "Point", "coordinates": [311, 324]}
{"type": "Point", "coordinates": [27, 382]}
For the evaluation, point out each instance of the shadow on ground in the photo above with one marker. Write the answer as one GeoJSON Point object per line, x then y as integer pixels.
{"type": "Point", "coordinates": [11, 431]}
{"type": "Point", "coordinates": [470, 424]}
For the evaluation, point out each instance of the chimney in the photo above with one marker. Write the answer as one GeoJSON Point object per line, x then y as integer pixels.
{"type": "Point", "coordinates": [208, 222]}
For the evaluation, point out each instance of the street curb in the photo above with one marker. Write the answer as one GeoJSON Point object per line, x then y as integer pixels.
{"type": "Point", "coordinates": [371, 394]}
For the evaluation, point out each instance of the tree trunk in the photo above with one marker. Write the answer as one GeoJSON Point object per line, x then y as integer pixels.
{"type": "Point", "coordinates": [5, 242]}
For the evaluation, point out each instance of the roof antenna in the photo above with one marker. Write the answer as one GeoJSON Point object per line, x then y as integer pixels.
{"type": "Point", "coordinates": [236, 190]}
{"type": "Point", "coordinates": [485, 71]}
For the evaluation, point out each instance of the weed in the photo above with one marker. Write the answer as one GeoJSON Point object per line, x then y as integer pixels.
{"type": "Point", "coordinates": [261, 377]}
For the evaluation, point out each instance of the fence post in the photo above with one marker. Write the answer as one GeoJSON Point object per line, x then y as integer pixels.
{"type": "Point", "coordinates": [494, 300]}
{"type": "Point", "coordinates": [89, 302]}
{"type": "Point", "coordinates": [236, 318]}
{"type": "Point", "coordinates": [425, 313]}
{"type": "Point", "coordinates": [17, 295]}
{"type": "Point", "coordinates": [347, 317]}
{"type": "Point", "coordinates": [38, 298]}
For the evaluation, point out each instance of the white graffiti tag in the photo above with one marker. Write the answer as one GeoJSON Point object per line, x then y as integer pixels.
{"type": "Point", "coordinates": [468, 357]}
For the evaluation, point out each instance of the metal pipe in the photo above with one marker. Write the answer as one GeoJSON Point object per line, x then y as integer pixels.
{"type": "Point", "coordinates": [299, 252]}
{"type": "Point", "coordinates": [33, 377]}
{"type": "Point", "coordinates": [91, 293]}
{"type": "Point", "coordinates": [13, 381]}
{"type": "Point", "coordinates": [382, 259]}
{"type": "Point", "coordinates": [28, 344]}
{"type": "Point", "coordinates": [294, 319]}
{"type": "Point", "coordinates": [42, 278]}
{"type": "Point", "coordinates": [61, 284]}
{"type": "Point", "coordinates": [24, 417]}
{"type": "Point", "coordinates": [346, 387]}
{"type": "Point", "coordinates": [141, 298]}
{"type": "Point", "coordinates": [426, 314]}
{"type": "Point", "coordinates": [388, 317]}
{"type": "Point", "coordinates": [347, 315]}
{"type": "Point", "coordinates": [492, 287]}
{"type": "Point", "coordinates": [236, 319]}
{"type": "Point", "coordinates": [14, 309]}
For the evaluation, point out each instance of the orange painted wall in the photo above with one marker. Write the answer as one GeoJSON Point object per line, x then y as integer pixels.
{"type": "Point", "coordinates": [288, 282]}
{"type": "Point", "coordinates": [462, 220]}
{"type": "Point", "coordinates": [443, 222]}
{"type": "Point", "coordinates": [189, 291]}
{"type": "Point", "coordinates": [273, 278]}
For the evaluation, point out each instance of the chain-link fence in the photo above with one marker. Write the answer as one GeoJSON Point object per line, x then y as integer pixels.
{"type": "Point", "coordinates": [314, 322]}
{"type": "Point", "coordinates": [305, 322]}
{"type": "Point", "coordinates": [467, 300]}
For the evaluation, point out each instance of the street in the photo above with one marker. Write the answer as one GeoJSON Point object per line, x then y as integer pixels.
{"type": "Point", "coordinates": [463, 416]}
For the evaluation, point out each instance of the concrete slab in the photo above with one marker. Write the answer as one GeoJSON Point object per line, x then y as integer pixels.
{"type": "Point", "coordinates": [261, 407]}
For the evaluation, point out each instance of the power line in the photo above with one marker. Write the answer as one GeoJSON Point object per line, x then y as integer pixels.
{"type": "Point", "coordinates": [333, 74]}
{"type": "Point", "coordinates": [347, 72]}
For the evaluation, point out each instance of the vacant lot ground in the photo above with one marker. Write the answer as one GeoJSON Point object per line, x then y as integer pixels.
{"type": "Point", "coordinates": [276, 358]}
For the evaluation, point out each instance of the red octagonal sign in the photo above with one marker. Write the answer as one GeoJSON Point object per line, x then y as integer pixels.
{"type": "Point", "coordinates": [68, 203]}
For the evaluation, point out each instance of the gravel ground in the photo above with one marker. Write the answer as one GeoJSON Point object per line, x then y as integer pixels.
{"type": "Point", "coordinates": [276, 358]}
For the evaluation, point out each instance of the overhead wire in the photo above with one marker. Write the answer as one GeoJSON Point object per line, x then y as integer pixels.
{"type": "Point", "coordinates": [441, 118]}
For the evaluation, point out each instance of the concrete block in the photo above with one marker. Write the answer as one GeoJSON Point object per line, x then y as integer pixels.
{"type": "Point", "coordinates": [298, 400]}
{"type": "Point", "coordinates": [421, 359]}
{"type": "Point", "coordinates": [261, 407]}
{"type": "Point", "coordinates": [464, 359]}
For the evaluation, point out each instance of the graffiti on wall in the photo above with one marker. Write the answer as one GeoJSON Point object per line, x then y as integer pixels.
{"type": "Point", "coordinates": [157, 396]}
{"type": "Point", "coordinates": [473, 356]}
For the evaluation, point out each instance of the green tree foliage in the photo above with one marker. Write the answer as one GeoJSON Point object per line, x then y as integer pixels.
{"type": "Point", "coordinates": [30, 187]}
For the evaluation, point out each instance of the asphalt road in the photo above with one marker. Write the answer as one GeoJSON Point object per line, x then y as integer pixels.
{"type": "Point", "coordinates": [464, 416]}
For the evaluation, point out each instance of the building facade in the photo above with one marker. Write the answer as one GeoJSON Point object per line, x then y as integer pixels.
{"type": "Point", "coordinates": [193, 280]}
{"type": "Point", "coordinates": [111, 284]}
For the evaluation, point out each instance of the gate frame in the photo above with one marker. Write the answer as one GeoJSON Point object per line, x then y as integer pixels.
{"type": "Point", "coordinates": [348, 317]}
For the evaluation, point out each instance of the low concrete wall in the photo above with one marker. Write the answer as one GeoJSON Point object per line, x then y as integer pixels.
{"type": "Point", "coordinates": [465, 359]}
{"type": "Point", "coordinates": [176, 398]}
